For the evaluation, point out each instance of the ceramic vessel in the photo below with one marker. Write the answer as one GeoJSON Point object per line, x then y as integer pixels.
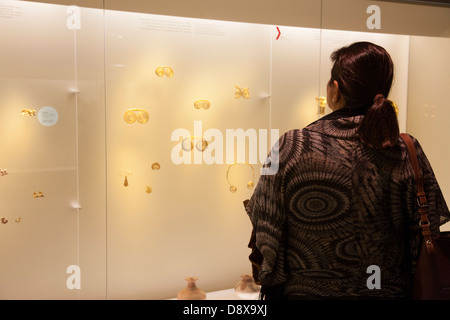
{"type": "Point", "coordinates": [191, 292]}
{"type": "Point", "coordinates": [247, 289]}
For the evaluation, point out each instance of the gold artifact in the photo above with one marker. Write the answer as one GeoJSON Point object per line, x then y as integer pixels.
{"type": "Point", "coordinates": [201, 145]}
{"type": "Point", "coordinates": [38, 195]}
{"type": "Point", "coordinates": [4, 220]}
{"type": "Point", "coordinates": [250, 184]}
{"type": "Point", "coordinates": [3, 172]}
{"type": "Point", "coordinates": [202, 104]}
{"type": "Point", "coordinates": [156, 166]}
{"type": "Point", "coordinates": [125, 182]}
{"type": "Point", "coordinates": [28, 112]}
{"type": "Point", "coordinates": [142, 116]}
{"type": "Point", "coordinates": [188, 145]}
{"type": "Point", "coordinates": [148, 189]}
{"type": "Point", "coordinates": [164, 71]}
{"type": "Point", "coordinates": [241, 92]}
{"type": "Point", "coordinates": [321, 103]}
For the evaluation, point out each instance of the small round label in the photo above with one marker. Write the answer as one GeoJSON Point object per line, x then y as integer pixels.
{"type": "Point", "coordinates": [47, 116]}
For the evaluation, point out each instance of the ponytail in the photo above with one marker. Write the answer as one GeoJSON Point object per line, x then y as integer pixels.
{"type": "Point", "coordinates": [365, 72]}
{"type": "Point", "coordinates": [379, 127]}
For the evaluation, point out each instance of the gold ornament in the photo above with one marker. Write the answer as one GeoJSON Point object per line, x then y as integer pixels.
{"type": "Point", "coordinates": [28, 112]}
{"type": "Point", "coordinates": [156, 166]}
{"type": "Point", "coordinates": [321, 104]}
{"type": "Point", "coordinates": [250, 184]}
{"type": "Point", "coordinates": [202, 104]}
{"type": "Point", "coordinates": [38, 194]}
{"type": "Point", "coordinates": [131, 116]}
{"type": "Point", "coordinates": [241, 92]}
{"type": "Point", "coordinates": [164, 71]}
{"type": "Point", "coordinates": [188, 145]}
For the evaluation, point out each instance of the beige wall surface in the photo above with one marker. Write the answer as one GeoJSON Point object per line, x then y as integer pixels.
{"type": "Point", "coordinates": [94, 61]}
{"type": "Point", "coordinates": [428, 107]}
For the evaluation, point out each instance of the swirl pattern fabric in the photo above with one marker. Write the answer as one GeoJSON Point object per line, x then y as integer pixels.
{"type": "Point", "coordinates": [336, 207]}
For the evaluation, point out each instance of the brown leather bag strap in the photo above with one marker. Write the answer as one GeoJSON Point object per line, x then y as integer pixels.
{"type": "Point", "coordinates": [421, 196]}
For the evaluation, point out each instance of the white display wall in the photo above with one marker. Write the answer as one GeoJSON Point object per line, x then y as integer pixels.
{"type": "Point", "coordinates": [101, 200]}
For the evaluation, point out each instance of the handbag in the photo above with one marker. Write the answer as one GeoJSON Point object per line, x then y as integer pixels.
{"type": "Point", "coordinates": [432, 274]}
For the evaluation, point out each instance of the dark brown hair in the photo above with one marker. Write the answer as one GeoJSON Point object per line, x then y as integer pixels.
{"type": "Point", "coordinates": [364, 72]}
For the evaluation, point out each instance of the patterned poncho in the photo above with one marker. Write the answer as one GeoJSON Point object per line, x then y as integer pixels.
{"type": "Point", "coordinates": [336, 207]}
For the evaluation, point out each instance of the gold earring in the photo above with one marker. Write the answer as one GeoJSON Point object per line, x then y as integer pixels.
{"type": "Point", "coordinates": [250, 184]}
{"type": "Point", "coordinates": [201, 145]}
{"type": "Point", "coordinates": [125, 182]}
{"type": "Point", "coordinates": [4, 220]}
{"type": "Point", "coordinates": [156, 166]}
{"type": "Point", "coordinates": [199, 104]}
{"type": "Point", "coordinates": [188, 145]}
{"type": "Point", "coordinates": [164, 71]}
{"type": "Point", "coordinates": [131, 117]}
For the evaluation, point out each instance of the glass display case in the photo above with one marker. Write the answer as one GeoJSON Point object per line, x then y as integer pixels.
{"type": "Point", "coordinates": [132, 132]}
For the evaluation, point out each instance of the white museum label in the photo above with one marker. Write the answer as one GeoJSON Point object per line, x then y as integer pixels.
{"type": "Point", "coordinates": [48, 116]}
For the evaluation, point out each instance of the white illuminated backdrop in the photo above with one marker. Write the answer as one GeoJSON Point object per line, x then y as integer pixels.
{"type": "Point", "coordinates": [93, 65]}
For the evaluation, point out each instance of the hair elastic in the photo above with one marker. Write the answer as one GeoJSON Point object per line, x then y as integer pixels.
{"type": "Point", "coordinates": [378, 96]}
